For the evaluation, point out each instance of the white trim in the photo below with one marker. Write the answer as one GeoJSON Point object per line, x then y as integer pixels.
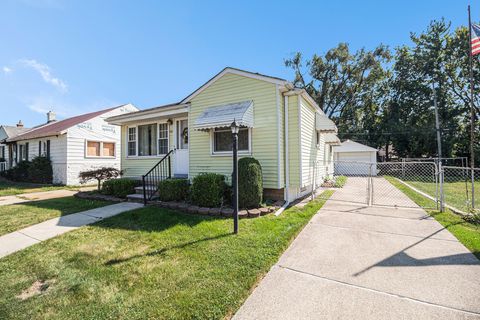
{"type": "Point", "coordinates": [287, 162]}
{"type": "Point", "coordinates": [299, 106]}
{"type": "Point", "coordinates": [158, 137]}
{"type": "Point", "coordinates": [232, 71]}
{"type": "Point", "coordinates": [230, 153]}
{"type": "Point", "coordinates": [277, 96]}
{"type": "Point", "coordinates": [148, 115]}
{"type": "Point", "coordinates": [136, 156]}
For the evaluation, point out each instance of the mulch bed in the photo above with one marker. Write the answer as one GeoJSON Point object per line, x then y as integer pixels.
{"type": "Point", "coordinates": [94, 195]}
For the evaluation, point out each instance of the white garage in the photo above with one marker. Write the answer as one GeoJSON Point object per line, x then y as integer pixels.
{"type": "Point", "coordinates": [354, 159]}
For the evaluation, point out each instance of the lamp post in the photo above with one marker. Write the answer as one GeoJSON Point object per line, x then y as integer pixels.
{"type": "Point", "coordinates": [235, 128]}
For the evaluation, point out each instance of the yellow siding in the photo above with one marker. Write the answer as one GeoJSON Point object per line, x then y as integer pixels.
{"type": "Point", "coordinates": [313, 155]}
{"type": "Point", "coordinates": [293, 144]}
{"type": "Point", "coordinates": [135, 167]}
{"type": "Point", "coordinates": [234, 88]}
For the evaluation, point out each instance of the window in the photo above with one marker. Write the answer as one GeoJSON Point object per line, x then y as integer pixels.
{"type": "Point", "coordinates": [21, 153]}
{"type": "Point", "coordinates": [317, 138]}
{"type": "Point", "coordinates": [163, 138]}
{"type": "Point", "coordinates": [108, 149]}
{"type": "Point", "coordinates": [132, 141]}
{"type": "Point", "coordinates": [93, 149]}
{"type": "Point", "coordinates": [147, 136]}
{"type": "Point", "coordinates": [222, 140]}
{"type": "Point", "coordinates": [2, 152]}
{"type": "Point", "coordinates": [100, 149]}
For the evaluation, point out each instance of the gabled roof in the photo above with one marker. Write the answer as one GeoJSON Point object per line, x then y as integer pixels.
{"type": "Point", "coordinates": [352, 146]}
{"type": "Point", "coordinates": [59, 127]}
{"type": "Point", "coordinates": [13, 131]}
{"type": "Point", "coordinates": [236, 71]}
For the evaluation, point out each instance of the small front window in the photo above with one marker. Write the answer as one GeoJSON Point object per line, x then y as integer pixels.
{"type": "Point", "coordinates": [223, 141]}
{"type": "Point", "coordinates": [147, 136]}
{"type": "Point", "coordinates": [100, 149]}
{"type": "Point", "coordinates": [163, 138]}
{"type": "Point", "coordinates": [108, 149]}
{"type": "Point", "coordinates": [132, 141]}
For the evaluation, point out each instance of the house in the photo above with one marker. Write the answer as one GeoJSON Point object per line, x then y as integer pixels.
{"type": "Point", "coordinates": [7, 132]}
{"type": "Point", "coordinates": [353, 158]}
{"type": "Point", "coordinates": [281, 126]}
{"type": "Point", "coordinates": [73, 145]}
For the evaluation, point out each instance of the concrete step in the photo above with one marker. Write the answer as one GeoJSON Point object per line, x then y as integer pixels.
{"type": "Point", "coordinates": [138, 197]}
{"type": "Point", "coordinates": [139, 189]}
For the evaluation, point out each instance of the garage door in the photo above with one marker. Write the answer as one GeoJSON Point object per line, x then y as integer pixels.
{"type": "Point", "coordinates": [353, 163]}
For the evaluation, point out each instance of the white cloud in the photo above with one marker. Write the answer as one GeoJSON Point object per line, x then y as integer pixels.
{"type": "Point", "coordinates": [45, 71]}
{"type": "Point", "coordinates": [6, 70]}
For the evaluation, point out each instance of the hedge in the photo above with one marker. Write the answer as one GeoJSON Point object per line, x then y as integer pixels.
{"type": "Point", "coordinates": [119, 187]}
{"type": "Point", "coordinates": [173, 189]}
{"type": "Point", "coordinates": [250, 185]}
{"type": "Point", "coordinates": [208, 190]}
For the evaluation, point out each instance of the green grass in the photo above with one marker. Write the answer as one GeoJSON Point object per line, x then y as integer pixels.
{"type": "Point", "coordinates": [149, 263]}
{"type": "Point", "coordinates": [10, 188]}
{"type": "Point", "coordinates": [340, 181]}
{"type": "Point", "coordinates": [455, 193]}
{"type": "Point", "coordinates": [18, 216]}
{"type": "Point", "coordinates": [466, 232]}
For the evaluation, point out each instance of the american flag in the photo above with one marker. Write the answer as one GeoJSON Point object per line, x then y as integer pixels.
{"type": "Point", "coordinates": [475, 41]}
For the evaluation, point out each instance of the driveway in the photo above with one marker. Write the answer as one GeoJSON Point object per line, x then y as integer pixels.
{"type": "Point", "coordinates": [358, 262]}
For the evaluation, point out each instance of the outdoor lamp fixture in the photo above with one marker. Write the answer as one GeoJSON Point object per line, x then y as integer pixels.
{"type": "Point", "coordinates": [235, 128]}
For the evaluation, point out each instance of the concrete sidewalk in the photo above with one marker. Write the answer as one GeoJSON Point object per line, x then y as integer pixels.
{"type": "Point", "coordinates": [42, 195]}
{"type": "Point", "coordinates": [26, 237]}
{"type": "Point", "coordinates": [357, 262]}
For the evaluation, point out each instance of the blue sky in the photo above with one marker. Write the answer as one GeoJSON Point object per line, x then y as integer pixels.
{"type": "Point", "coordinates": [80, 56]}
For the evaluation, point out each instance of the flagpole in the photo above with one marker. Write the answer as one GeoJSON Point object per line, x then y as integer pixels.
{"type": "Point", "coordinates": [472, 111]}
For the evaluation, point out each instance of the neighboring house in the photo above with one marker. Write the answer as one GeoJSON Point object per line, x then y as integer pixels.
{"type": "Point", "coordinates": [7, 132]}
{"type": "Point", "coordinates": [73, 145]}
{"type": "Point", "coordinates": [353, 158]}
{"type": "Point", "coordinates": [282, 127]}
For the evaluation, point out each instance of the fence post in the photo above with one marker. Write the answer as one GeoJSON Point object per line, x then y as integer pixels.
{"type": "Point", "coordinates": [370, 188]}
{"type": "Point", "coordinates": [473, 188]}
{"type": "Point", "coordinates": [436, 174]}
{"type": "Point", "coordinates": [441, 177]}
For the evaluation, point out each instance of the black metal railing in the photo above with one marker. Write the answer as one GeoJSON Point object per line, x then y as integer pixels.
{"type": "Point", "coordinates": [161, 171]}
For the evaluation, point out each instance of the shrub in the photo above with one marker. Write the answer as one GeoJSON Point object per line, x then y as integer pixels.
{"type": "Point", "coordinates": [250, 186]}
{"type": "Point", "coordinates": [40, 170]}
{"type": "Point", "coordinates": [173, 189]}
{"type": "Point", "coordinates": [19, 172]}
{"type": "Point", "coordinates": [340, 181]}
{"type": "Point", "coordinates": [119, 187]}
{"type": "Point", "coordinates": [208, 190]}
{"type": "Point", "coordinates": [101, 174]}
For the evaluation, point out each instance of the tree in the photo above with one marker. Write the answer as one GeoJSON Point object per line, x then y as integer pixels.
{"type": "Point", "coordinates": [100, 174]}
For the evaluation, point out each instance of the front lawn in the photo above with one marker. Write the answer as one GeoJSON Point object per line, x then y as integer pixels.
{"type": "Point", "coordinates": [10, 188]}
{"type": "Point", "coordinates": [18, 216]}
{"type": "Point", "coordinates": [466, 232]}
{"type": "Point", "coordinates": [149, 263]}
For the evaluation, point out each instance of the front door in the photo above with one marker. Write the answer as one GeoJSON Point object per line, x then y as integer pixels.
{"type": "Point", "coordinates": [181, 144]}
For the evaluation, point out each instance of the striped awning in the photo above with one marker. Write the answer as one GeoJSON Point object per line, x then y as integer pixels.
{"type": "Point", "coordinates": [324, 124]}
{"type": "Point", "coordinates": [222, 116]}
{"type": "Point", "coordinates": [332, 139]}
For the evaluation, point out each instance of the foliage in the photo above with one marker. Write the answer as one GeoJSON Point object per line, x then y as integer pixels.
{"type": "Point", "coordinates": [208, 190]}
{"type": "Point", "coordinates": [340, 181]}
{"type": "Point", "coordinates": [173, 189]}
{"type": "Point", "coordinates": [104, 173]}
{"type": "Point", "coordinates": [250, 185]}
{"type": "Point", "coordinates": [385, 99]}
{"type": "Point", "coordinates": [119, 187]}
{"type": "Point", "coordinates": [40, 170]}
{"type": "Point", "coordinates": [19, 172]}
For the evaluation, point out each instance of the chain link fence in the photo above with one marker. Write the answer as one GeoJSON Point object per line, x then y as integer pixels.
{"type": "Point", "coordinates": [381, 184]}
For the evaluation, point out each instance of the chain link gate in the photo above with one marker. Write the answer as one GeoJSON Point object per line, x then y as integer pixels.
{"type": "Point", "coordinates": [380, 184]}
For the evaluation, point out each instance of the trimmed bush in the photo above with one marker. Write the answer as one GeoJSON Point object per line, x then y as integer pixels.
{"type": "Point", "coordinates": [250, 185]}
{"type": "Point", "coordinates": [173, 189]}
{"type": "Point", "coordinates": [119, 187]}
{"type": "Point", "coordinates": [208, 190]}
{"type": "Point", "coordinates": [40, 170]}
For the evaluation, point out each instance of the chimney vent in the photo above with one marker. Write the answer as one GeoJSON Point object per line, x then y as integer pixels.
{"type": "Point", "coordinates": [20, 124]}
{"type": "Point", "coordinates": [50, 116]}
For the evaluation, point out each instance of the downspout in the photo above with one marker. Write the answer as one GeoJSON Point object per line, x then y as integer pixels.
{"type": "Point", "coordinates": [287, 163]}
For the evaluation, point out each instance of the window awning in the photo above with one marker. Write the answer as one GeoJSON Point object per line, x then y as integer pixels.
{"type": "Point", "coordinates": [222, 116]}
{"type": "Point", "coordinates": [332, 139]}
{"type": "Point", "coordinates": [324, 124]}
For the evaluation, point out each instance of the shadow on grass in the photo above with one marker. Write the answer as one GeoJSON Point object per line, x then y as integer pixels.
{"type": "Point", "coordinates": [66, 205]}
{"type": "Point", "coordinates": [162, 251]}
